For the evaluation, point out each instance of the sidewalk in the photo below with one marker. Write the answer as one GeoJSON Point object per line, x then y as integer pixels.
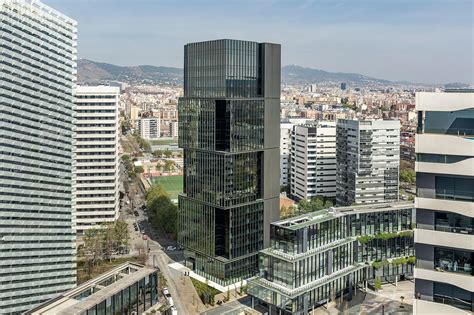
{"type": "Point", "coordinates": [181, 268]}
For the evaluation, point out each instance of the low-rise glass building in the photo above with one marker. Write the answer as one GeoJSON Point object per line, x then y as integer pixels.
{"type": "Point", "coordinates": [318, 256]}
{"type": "Point", "coordinates": [127, 289]}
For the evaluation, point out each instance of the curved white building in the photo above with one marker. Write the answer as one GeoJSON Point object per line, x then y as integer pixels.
{"type": "Point", "coordinates": [444, 237]}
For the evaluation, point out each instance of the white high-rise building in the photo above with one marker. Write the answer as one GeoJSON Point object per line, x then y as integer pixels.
{"type": "Point", "coordinates": [37, 77]}
{"type": "Point", "coordinates": [444, 235]}
{"type": "Point", "coordinates": [286, 126]}
{"type": "Point", "coordinates": [173, 126]}
{"type": "Point", "coordinates": [285, 145]}
{"type": "Point", "coordinates": [149, 128]}
{"type": "Point", "coordinates": [313, 160]}
{"type": "Point", "coordinates": [368, 161]}
{"type": "Point", "coordinates": [97, 156]}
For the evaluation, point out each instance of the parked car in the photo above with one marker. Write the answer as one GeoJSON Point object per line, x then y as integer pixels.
{"type": "Point", "coordinates": [170, 248]}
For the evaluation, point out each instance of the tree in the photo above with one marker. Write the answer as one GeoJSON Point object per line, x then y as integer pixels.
{"type": "Point", "coordinates": [168, 153]}
{"type": "Point", "coordinates": [93, 246]}
{"type": "Point", "coordinates": [286, 212]}
{"type": "Point", "coordinates": [316, 203]}
{"type": "Point", "coordinates": [126, 126]}
{"type": "Point", "coordinates": [108, 240]}
{"type": "Point", "coordinates": [158, 167]}
{"type": "Point", "coordinates": [157, 153]}
{"type": "Point", "coordinates": [142, 254]}
{"type": "Point", "coordinates": [122, 235]}
{"type": "Point", "coordinates": [408, 176]}
{"type": "Point", "coordinates": [139, 169]}
{"type": "Point", "coordinates": [378, 283]}
{"type": "Point", "coordinates": [163, 213]}
{"type": "Point", "coordinates": [127, 162]}
{"type": "Point", "coordinates": [169, 165]}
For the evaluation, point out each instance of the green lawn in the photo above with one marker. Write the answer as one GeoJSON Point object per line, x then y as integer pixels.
{"type": "Point", "coordinates": [163, 142]}
{"type": "Point", "coordinates": [172, 184]}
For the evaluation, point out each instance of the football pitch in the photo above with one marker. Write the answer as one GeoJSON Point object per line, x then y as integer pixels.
{"type": "Point", "coordinates": [172, 184]}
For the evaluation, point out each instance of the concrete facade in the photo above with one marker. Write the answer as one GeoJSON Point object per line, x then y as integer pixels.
{"type": "Point", "coordinates": [149, 128]}
{"type": "Point", "coordinates": [97, 156]}
{"type": "Point", "coordinates": [444, 238]}
{"type": "Point", "coordinates": [313, 160]}
{"type": "Point", "coordinates": [368, 161]}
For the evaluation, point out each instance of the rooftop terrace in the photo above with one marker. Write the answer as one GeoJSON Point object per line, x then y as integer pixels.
{"type": "Point", "coordinates": [307, 219]}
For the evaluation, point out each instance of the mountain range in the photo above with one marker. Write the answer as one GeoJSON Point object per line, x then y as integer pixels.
{"type": "Point", "coordinates": [92, 72]}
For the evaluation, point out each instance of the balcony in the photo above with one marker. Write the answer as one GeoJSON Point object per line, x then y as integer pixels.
{"type": "Point", "coordinates": [465, 167]}
{"type": "Point", "coordinates": [461, 207]}
{"type": "Point", "coordinates": [446, 194]}
{"type": "Point", "coordinates": [441, 143]}
{"type": "Point", "coordinates": [446, 239]}
{"type": "Point", "coordinates": [460, 280]}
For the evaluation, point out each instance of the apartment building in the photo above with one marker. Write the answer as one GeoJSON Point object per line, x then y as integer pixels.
{"type": "Point", "coordinates": [285, 146]}
{"type": "Point", "coordinates": [37, 77]}
{"type": "Point", "coordinates": [97, 156]}
{"type": "Point", "coordinates": [149, 128]}
{"type": "Point", "coordinates": [313, 160]}
{"type": "Point", "coordinates": [368, 161]}
{"type": "Point", "coordinates": [444, 238]}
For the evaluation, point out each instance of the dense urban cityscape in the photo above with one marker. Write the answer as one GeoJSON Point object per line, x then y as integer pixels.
{"type": "Point", "coordinates": [234, 185]}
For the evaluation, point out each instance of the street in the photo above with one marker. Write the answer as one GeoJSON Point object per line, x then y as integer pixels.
{"type": "Point", "coordinates": [156, 242]}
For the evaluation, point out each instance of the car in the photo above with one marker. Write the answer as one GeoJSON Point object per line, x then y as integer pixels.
{"type": "Point", "coordinates": [143, 232]}
{"type": "Point", "coordinates": [170, 248]}
{"type": "Point", "coordinates": [174, 311]}
{"type": "Point", "coordinates": [168, 297]}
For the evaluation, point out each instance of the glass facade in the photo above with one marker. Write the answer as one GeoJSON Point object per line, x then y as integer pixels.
{"type": "Point", "coordinates": [223, 69]}
{"type": "Point", "coordinates": [453, 260]}
{"type": "Point", "coordinates": [453, 295]}
{"type": "Point", "coordinates": [459, 122]}
{"type": "Point", "coordinates": [324, 254]}
{"type": "Point", "coordinates": [222, 133]}
{"type": "Point", "coordinates": [134, 299]}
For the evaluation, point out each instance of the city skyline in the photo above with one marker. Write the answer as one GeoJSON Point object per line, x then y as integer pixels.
{"type": "Point", "coordinates": [416, 37]}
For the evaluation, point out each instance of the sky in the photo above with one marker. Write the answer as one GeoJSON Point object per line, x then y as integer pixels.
{"type": "Point", "coordinates": [428, 41]}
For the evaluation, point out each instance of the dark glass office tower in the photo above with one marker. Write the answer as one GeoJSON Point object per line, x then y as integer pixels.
{"type": "Point", "coordinates": [229, 130]}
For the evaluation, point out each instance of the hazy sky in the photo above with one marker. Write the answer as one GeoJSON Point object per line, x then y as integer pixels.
{"type": "Point", "coordinates": [417, 40]}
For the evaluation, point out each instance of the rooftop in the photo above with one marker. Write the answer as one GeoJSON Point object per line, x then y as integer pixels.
{"type": "Point", "coordinates": [306, 219]}
{"type": "Point", "coordinates": [94, 291]}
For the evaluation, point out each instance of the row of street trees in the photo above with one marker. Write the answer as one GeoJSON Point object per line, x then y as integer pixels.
{"type": "Point", "coordinates": [162, 212]}
{"type": "Point", "coordinates": [167, 167]}
{"type": "Point", "coordinates": [162, 153]}
{"type": "Point", "coordinates": [304, 206]}
{"type": "Point", "coordinates": [130, 166]}
{"type": "Point", "coordinates": [101, 243]}
{"type": "Point", "coordinates": [144, 144]}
